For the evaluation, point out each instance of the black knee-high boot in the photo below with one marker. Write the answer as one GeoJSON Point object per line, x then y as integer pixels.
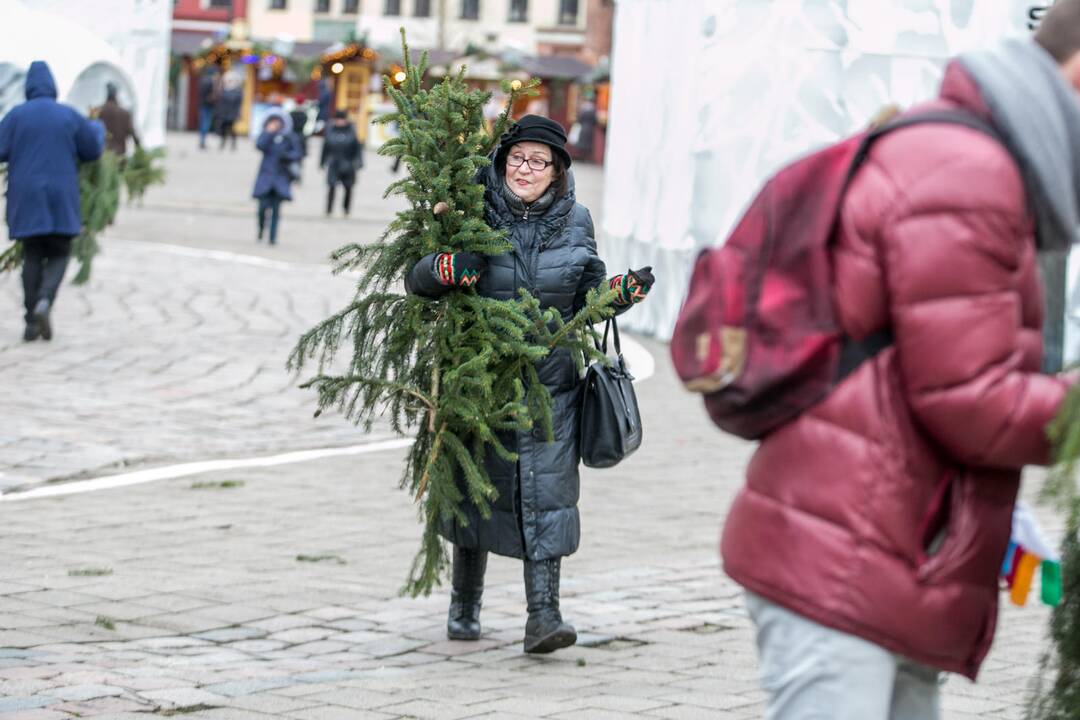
{"type": "Point", "coordinates": [545, 630]}
{"type": "Point", "coordinates": [463, 621]}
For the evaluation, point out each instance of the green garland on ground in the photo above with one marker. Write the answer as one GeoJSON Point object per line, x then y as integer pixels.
{"type": "Point", "coordinates": [99, 199]}
{"type": "Point", "coordinates": [1059, 699]}
{"type": "Point", "coordinates": [458, 370]}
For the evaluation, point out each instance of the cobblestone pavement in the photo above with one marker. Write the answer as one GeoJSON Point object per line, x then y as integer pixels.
{"type": "Point", "coordinates": [272, 593]}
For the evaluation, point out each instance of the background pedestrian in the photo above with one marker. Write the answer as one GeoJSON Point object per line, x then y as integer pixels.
{"type": "Point", "coordinates": [342, 156]}
{"type": "Point", "coordinates": [43, 143]}
{"type": "Point", "coordinates": [209, 89]}
{"type": "Point", "coordinates": [227, 109]}
{"type": "Point", "coordinates": [273, 185]}
{"type": "Point", "coordinates": [118, 123]}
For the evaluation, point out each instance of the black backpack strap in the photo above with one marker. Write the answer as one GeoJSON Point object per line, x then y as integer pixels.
{"type": "Point", "coordinates": [854, 353]}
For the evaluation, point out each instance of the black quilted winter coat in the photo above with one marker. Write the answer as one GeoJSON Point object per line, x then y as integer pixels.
{"type": "Point", "coordinates": [554, 257]}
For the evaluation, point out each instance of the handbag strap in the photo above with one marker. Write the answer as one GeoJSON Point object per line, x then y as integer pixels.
{"type": "Point", "coordinates": [612, 324]}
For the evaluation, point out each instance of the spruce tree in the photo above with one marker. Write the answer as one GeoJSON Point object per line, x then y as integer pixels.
{"type": "Point", "coordinates": [99, 200]}
{"type": "Point", "coordinates": [455, 371]}
{"type": "Point", "coordinates": [1057, 690]}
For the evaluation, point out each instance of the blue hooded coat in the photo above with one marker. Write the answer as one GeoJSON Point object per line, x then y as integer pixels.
{"type": "Point", "coordinates": [279, 150]}
{"type": "Point", "coordinates": [43, 143]}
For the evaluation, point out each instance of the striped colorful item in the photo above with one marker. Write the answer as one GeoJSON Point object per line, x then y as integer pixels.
{"type": "Point", "coordinates": [1027, 553]}
{"type": "Point", "coordinates": [444, 266]}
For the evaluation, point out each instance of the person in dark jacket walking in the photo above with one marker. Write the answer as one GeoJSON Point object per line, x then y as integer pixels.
{"type": "Point", "coordinates": [325, 100]}
{"type": "Point", "coordinates": [43, 143]}
{"type": "Point", "coordinates": [227, 109]}
{"type": "Point", "coordinates": [342, 155]}
{"type": "Point", "coordinates": [280, 150]}
{"type": "Point", "coordinates": [118, 124]}
{"type": "Point", "coordinates": [529, 193]}
{"type": "Point", "coordinates": [299, 123]}
{"type": "Point", "coordinates": [208, 90]}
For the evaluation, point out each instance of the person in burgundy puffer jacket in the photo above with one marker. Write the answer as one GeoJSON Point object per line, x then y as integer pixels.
{"type": "Point", "coordinates": [871, 529]}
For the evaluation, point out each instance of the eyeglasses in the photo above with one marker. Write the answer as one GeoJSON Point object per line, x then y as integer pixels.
{"type": "Point", "coordinates": [535, 163]}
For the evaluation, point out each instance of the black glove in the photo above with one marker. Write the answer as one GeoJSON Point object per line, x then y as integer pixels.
{"type": "Point", "coordinates": [459, 269]}
{"type": "Point", "coordinates": [633, 285]}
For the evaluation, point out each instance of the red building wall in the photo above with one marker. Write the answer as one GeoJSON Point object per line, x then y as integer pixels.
{"type": "Point", "coordinates": [195, 10]}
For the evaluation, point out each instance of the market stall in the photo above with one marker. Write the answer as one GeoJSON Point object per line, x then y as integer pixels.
{"type": "Point", "coordinates": [350, 73]}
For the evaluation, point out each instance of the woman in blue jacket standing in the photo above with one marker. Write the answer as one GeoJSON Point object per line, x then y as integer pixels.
{"type": "Point", "coordinates": [43, 143]}
{"type": "Point", "coordinates": [281, 150]}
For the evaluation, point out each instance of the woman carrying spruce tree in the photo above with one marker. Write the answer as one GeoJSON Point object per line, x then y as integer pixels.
{"type": "Point", "coordinates": [530, 194]}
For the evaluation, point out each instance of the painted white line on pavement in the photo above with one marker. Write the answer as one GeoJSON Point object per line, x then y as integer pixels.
{"type": "Point", "coordinates": [637, 357]}
{"type": "Point", "coordinates": [177, 471]}
{"type": "Point", "coordinates": [223, 255]}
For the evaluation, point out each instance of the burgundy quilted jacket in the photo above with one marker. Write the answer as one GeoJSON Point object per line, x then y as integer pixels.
{"type": "Point", "coordinates": [885, 510]}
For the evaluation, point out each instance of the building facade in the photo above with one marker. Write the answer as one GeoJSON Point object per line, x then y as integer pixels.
{"type": "Point", "coordinates": [207, 15]}
{"type": "Point", "coordinates": [527, 26]}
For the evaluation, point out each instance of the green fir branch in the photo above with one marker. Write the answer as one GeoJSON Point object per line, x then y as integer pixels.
{"type": "Point", "coordinates": [1056, 692]}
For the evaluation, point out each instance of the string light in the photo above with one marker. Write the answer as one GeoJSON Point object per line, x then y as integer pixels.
{"type": "Point", "coordinates": [351, 51]}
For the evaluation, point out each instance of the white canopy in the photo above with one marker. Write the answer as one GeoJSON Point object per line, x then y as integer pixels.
{"type": "Point", "coordinates": [709, 97]}
{"type": "Point", "coordinates": [87, 45]}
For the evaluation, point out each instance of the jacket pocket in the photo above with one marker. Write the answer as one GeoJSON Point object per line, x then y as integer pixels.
{"type": "Point", "coordinates": [966, 529]}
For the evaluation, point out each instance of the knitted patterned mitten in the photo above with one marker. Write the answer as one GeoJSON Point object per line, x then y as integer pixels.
{"type": "Point", "coordinates": [633, 285]}
{"type": "Point", "coordinates": [459, 269]}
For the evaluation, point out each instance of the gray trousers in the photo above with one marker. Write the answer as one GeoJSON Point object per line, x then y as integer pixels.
{"type": "Point", "coordinates": [811, 672]}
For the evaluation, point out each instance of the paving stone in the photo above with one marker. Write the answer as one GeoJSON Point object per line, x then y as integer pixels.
{"type": "Point", "coordinates": [298, 636]}
{"type": "Point", "coordinates": [339, 713]}
{"type": "Point", "coordinates": [246, 687]}
{"type": "Point", "coordinates": [182, 697]}
{"type": "Point", "coordinates": [389, 647]}
{"type": "Point", "coordinates": [229, 635]}
{"type": "Point", "coordinates": [15, 704]}
{"type": "Point", "coordinates": [84, 692]}
{"type": "Point", "coordinates": [429, 710]}
{"type": "Point", "coordinates": [43, 715]}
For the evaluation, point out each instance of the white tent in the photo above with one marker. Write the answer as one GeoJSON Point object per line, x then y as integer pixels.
{"type": "Point", "coordinates": [87, 45]}
{"type": "Point", "coordinates": [709, 97]}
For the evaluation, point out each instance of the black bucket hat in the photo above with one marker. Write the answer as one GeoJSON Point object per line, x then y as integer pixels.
{"type": "Point", "coordinates": [534, 128]}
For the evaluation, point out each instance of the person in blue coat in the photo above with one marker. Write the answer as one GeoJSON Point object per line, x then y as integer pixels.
{"type": "Point", "coordinates": [277, 171]}
{"type": "Point", "coordinates": [43, 143]}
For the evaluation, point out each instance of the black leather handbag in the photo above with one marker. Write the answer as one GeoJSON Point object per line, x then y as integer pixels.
{"type": "Point", "coordinates": [610, 427]}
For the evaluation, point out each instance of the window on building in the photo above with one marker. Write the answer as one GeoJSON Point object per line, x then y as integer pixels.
{"type": "Point", "coordinates": [322, 6]}
{"type": "Point", "coordinates": [350, 7]}
{"type": "Point", "coordinates": [568, 11]}
{"type": "Point", "coordinates": [279, 4]}
{"type": "Point", "coordinates": [519, 10]}
{"type": "Point", "coordinates": [392, 7]}
{"type": "Point", "coordinates": [422, 8]}
{"type": "Point", "coordinates": [219, 4]}
{"type": "Point", "coordinates": [470, 9]}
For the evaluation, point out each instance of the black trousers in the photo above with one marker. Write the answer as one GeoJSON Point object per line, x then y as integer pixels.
{"type": "Point", "coordinates": [228, 133]}
{"type": "Point", "coordinates": [347, 200]}
{"type": "Point", "coordinates": [269, 208]}
{"type": "Point", "coordinates": [45, 259]}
